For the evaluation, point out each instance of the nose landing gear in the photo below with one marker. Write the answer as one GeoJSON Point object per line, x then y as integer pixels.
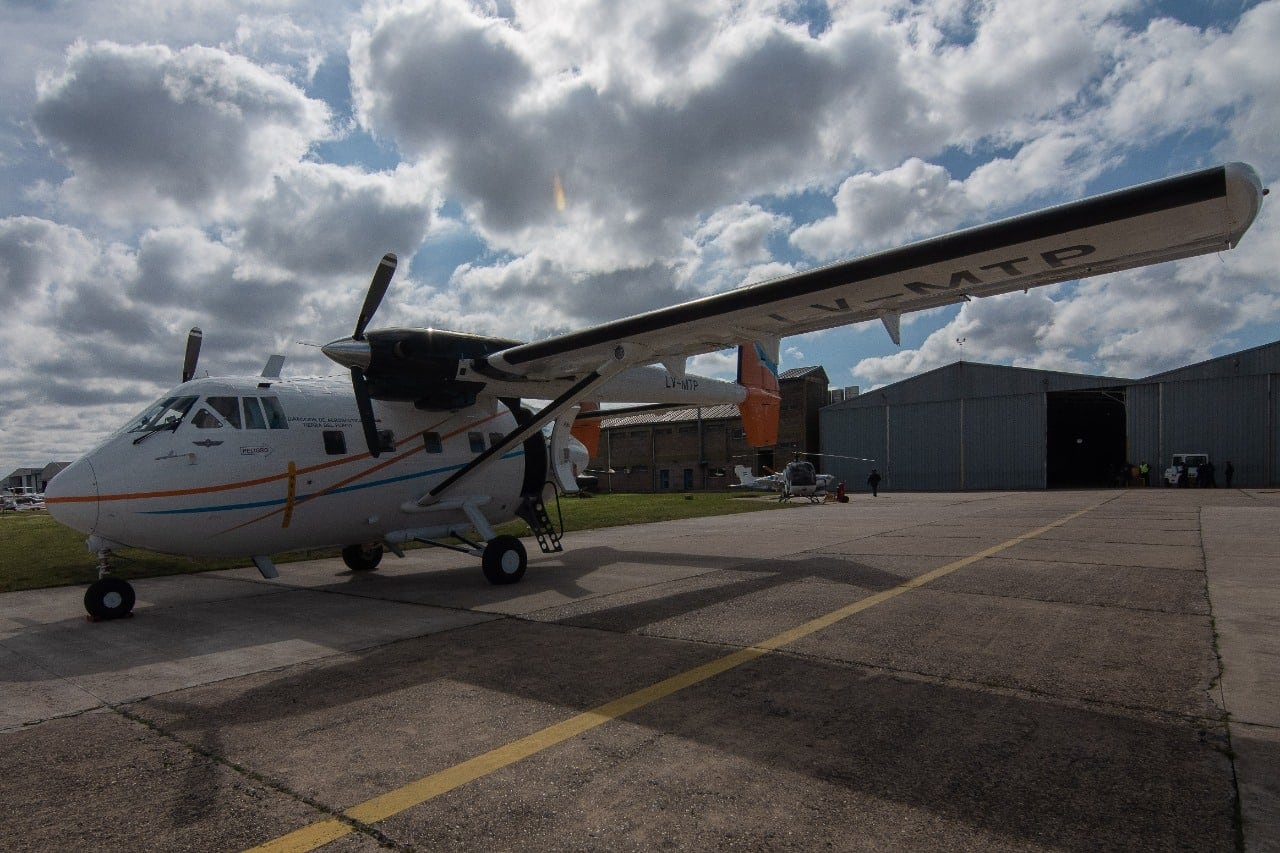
{"type": "Point", "coordinates": [108, 597]}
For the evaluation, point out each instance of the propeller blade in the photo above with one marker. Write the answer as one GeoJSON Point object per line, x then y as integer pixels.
{"type": "Point", "coordinates": [193, 353]}
{"type": "Point", "coordinates": [365, 406]}
{"type": "Point", "coordinates": [377, 290]}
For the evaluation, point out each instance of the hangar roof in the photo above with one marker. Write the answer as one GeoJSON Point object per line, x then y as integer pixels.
{"type": "Point", "coordinates": [1250, 362]}
{"type": "Point", "coordinates": [972, 380]}
{"type": "Point", "coordinates": [672, 416]}
{"type": "Point", "coordinates": [803, 373]}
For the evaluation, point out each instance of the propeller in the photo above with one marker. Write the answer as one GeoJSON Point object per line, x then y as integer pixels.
{"type": "Point", "coordinates": [365, 406]}
{"type": "Point", "coordinates": [193, 353]}
{"type": "Point", "coordinates": [377, 289]}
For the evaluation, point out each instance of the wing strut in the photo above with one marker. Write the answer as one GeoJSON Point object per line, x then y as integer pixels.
{"type": "Point", "coordinates": [548, 413]}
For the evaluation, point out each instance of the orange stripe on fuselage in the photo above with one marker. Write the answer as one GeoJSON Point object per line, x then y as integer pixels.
{"type": "Point", "coordinates": [284, 475]}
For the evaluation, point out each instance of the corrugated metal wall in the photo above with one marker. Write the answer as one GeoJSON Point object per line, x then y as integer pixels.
{"type": "Point", "coordinates": [1004, 441]}
{"type": "Point", "coordinates": [1228, 407]}
{"type": "Point", "coordinates": [945, 445]}
{"type": "Point", "coordinates": [924, 446]}
{"type": "Point", "coordinates": [1142, 427]}
{"type": "Point", "coordinates": [1230, 418]}
{"type": "Point", "coordinates": [855, 432]}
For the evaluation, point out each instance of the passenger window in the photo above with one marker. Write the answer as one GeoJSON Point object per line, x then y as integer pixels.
{"type": "Point", "coordinates": [495, 438]}
{"type": "Point", "coordinates": [253, 418]}
{"type": "Point", "coordinates": [431, 442]}
{"type": "Point", "coordinates": [335, 442]}
{"type": "Point", "coordinates": [275, 414]}
{"type": "Point", "coordinates": [205, 419]}
{"type": "Point", "coordinates": [228, 408]}
{"type": "Point", "coordinates": [477, 442]}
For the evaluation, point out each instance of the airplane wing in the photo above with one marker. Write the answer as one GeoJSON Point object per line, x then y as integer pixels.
{"type": "Point", "coordinates": [1192, 214]}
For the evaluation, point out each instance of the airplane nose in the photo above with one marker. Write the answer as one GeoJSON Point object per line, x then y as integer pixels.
{"type": "Point", "coordinates": [72, 496]}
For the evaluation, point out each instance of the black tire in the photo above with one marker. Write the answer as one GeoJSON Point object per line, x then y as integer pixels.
{"type": "Point", "coordinates": [109, 598]}
{"type": "Point", "coordinates": [362, 558]}
{"type": "Point", "coordinates": [504, 560]}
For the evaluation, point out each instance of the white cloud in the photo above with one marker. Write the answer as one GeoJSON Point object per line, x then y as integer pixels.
{"type": "Point", "coordinates": [170, 170]}
{"type": "Point", "coordinates": [152, 134]}
{"type": "Point", "coordinates": [882, 208]}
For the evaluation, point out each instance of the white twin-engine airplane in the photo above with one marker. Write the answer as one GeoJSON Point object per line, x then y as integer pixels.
{"type": "Point", "coordinates": [429, 441]}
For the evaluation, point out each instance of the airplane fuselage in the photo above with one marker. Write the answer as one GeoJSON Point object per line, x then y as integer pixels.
{"type": "Point", "coordinates": [256, 466]}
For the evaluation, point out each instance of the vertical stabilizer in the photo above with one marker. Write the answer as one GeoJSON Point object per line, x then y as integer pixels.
{"type": "Point", "coordinates": [758, 373]}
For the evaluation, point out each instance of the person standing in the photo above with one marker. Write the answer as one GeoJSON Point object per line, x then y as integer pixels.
{"type": "Point", "coordinates": [1229, 472]}
{"type": "Point", "coordinates": [873, 480]}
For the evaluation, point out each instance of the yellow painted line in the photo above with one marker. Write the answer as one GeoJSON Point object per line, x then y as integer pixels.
{"type": "Point", "coordinates": [427, 788]}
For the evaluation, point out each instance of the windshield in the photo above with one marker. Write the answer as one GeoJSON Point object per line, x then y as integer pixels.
{"type": "Point", "coordinates": [166, 414]}
{"type": "Point", "coordinates": [801, 474]}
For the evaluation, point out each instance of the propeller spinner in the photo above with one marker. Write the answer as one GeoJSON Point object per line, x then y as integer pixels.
{"type": "Point", "coordinates": [353, 352]}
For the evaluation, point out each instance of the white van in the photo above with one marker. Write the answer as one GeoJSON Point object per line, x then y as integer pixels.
{"type": "Point", "coordinates": [1192, 462]}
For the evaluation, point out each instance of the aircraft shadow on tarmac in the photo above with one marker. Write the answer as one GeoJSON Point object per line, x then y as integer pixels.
{"type": "Point", "coordinates": [168, 628]}
{"type": "Point", "coordinates": [1025, 768]}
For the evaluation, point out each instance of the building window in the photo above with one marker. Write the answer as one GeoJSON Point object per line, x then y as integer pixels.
{"type": "Point", "coordinates": [664, 479]}
{"type": "Point", "coordinates": [688, 478]}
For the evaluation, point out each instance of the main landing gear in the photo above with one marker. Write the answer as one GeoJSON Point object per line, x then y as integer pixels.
{"type": "Point", "coordinates": [362, 558]}
{"type": "Point", "coordinates": [504, 560]}
{"type": "Point", "coordinates": [108, 597]}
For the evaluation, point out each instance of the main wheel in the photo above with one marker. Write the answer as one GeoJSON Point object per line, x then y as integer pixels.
{"type": "Point", "coordinates": [362, 558]}
{"type": "Point", "coordinates": [109, 598]}
{"type": "Point", "coordinates": [504, 560]}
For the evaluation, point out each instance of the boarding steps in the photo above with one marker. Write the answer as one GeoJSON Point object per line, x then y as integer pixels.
{"type": "Point", "coordinates": [535, 514]}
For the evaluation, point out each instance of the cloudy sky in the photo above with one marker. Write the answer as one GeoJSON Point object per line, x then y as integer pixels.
{"type": "Point", "coordinates": [540, 165]}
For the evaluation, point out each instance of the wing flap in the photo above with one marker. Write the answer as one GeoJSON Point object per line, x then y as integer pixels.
{"type": "Point", "coordinates": [1174, 218]}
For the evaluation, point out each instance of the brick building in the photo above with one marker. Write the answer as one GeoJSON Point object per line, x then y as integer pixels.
{"type": "Point", "coordinates": [696, 449]}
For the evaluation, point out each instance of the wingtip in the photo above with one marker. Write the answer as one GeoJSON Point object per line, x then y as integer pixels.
{"type": "Point", "coordinates": [1244, 198]}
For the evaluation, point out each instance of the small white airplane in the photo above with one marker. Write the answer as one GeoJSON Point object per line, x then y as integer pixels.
{"type": "Point", "coordinates": [428, 440]}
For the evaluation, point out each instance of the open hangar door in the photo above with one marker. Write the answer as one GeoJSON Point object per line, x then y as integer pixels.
{"type": "Point", "coordinates": [1085, 442]}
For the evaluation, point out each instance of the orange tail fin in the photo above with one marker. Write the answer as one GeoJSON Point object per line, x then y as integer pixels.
{"type": "Point", "coordinates": [758, 373]}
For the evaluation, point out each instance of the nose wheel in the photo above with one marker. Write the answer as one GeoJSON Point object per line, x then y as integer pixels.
{"type": "Point", "coordinates": [109, 598]}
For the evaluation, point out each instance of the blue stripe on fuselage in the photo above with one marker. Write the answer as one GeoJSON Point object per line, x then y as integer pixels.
{"type": "Point", "coordinates": [299, 499]}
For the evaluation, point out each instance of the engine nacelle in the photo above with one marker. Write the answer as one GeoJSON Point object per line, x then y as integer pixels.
{"type": "Point", "coordinates": [421, 366]}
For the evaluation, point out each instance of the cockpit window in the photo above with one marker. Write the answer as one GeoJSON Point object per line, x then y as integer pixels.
{"type": "Point", "coordinates": [228, 408]}
{"type": "Point", "coordinates": [275, 414]}
{"type": "Point", "coordinates": [253, 418]}
{"type": "Point", "coordinates": [263, 413]}
{"type": "Point", "coordinates": [166, 414]}
{"type": "Point", "coordinates": [204, 419]}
